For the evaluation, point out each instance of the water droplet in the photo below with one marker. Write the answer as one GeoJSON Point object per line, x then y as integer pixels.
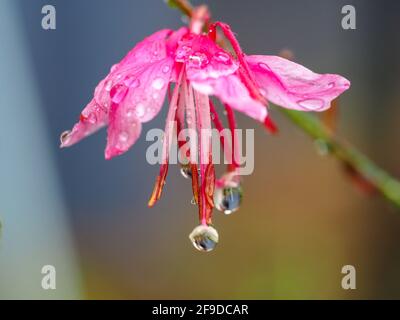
{"type": "Point", "coordinates": [123, 136]}
{"type": "Point", "coordinates": [108, 85]}
{"type": "Point", "coordinates": [222, 57]}
{"type": "Point", "coordinates": [186, 171]}
{"type": "Point", "coordinates": [229, 198]}
{"type": "Point", "coordinates": [118, 93]}
{"type": "Point", "coordinates": [311, 104]}
{"type": "Point", "coordinates": [158, 83]}
{"type": "Point", "coordinates": [92, 118]}
{"type": "Point", "coordinates": [263, 66]}
{"type": "Point", "coordinates": [155, 95]}
{"type": "Point", "coordinates": [182, 53]}
{"type": "Point", "coordinates": [322, 146]}
{"type": "Point", "coordinates": [132, 82]}
{"type": "Point", "coordinates": [140, 110]}
{"type": "Point", "coordinates": [198, 60]}
{"type": "Point", "coordinates": [130, 113]}
{"type": "Point", "coordinates": [331, 85]}
{"type": "Point", "coordinates": [204, 238]}
{"type": "Point", "coordinates": [166, 69]}
{"type": "Point", "coordinates": [64, 136]}
{"type": "Point", "coordinates": [113, 68]}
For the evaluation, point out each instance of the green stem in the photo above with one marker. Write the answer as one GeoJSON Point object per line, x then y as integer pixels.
{"type": "Point", "coordinates": [388, 186]}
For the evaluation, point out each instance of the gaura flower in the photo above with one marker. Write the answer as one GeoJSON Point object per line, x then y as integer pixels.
{"type": "Point", "coordinates": [135, 89]}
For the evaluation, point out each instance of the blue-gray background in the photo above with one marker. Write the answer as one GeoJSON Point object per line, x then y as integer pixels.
{"type": "Point", "coordinates": [301, 220]}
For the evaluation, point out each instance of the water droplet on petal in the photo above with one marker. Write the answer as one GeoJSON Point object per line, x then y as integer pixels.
{"type": "Point", "coordinates": [222, 57]}
{"type": "Point", "coordinates": [263, 66]}
{"type": "Point", "coordinates": [331, 85]}
{"type": "Point", "coordinates": [311, 104]}
{"type": "Point", "coordinates": [92, 118]}
{"type": "Point", "coordinates": [198, 60]}
{"type": "Point", "coordinates": [166, 69]}
{"type": "Point", "coordinates": [118, 93]}
{"type": "Point", "coordinates": [228, 199]}
{"type": "Point", "coordinates": [181, 53]}
{"type": "Point", "coordinates": [64, 136]}
{"type": "Point", "coordinates": [132, 82]}
{"type": "Point", "coordinates": [123, 136]}
{"type": "Point", "coordinates": [158, 83]}
{"type": "Point", "coordinates": [113, 68]}
{"type": "Point", "coordinates": [108, 85]}
{"type": "Point", "coordinates": [130, 114]}
{"type": "Point", "coordinates": [204, 238]}
{"type": "Point", "coordinates": [140, 110]}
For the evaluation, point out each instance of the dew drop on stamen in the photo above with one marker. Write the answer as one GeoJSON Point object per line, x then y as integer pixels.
{"type": "Point", "coordinates": [228, 199]}
{"type": "Point", "coordinates": [186, 171]}
{"type": "Point", "coordinates": [204, 238]}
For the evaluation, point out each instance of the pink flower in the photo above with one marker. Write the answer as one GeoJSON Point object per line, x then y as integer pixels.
{"type": "Point", "coordinates": [135, 89]}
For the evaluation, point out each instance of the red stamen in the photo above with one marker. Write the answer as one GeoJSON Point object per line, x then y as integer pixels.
{"type": "Point", "coordinates": [270, 125]}
{"type": "Point", "coordinates": [232, 126]}
{"type": "Point", "coordinates": [209, 187]}
{"type": "Point", "coordinates": [159, 185]}
{"type": "Point", "coordinates": [244, 70]}
{"type": "Point", "coordinates": [195, 183]}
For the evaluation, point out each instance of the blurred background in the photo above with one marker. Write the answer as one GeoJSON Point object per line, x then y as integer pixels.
{"type": "Point", "coordinates": [301, 220]}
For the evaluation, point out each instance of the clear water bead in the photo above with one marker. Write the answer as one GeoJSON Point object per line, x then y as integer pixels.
{"type": "Point", "coordinates": [64, 136]}
{"type": "Point", "coordinates": [186, 171]}
{"type": "Point", "coordinates": [204, 238]}
{"type": "Point", "coordinates": [229, 198]}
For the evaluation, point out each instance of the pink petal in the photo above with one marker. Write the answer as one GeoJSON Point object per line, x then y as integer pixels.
{"type": "Point", "coordinates": [92, 118]}
{"type": "Point", "coordinates": [123, 131]}
{"type": "Point", "coordinates": [293, 86]}
{"type": "Point", "coordinates": [149, 86]}
{"type": "Point", "coordinates": [138, 82]}
{"type": "Point", "coordinates": [204, 59]}
{"type": "Point", "coordinates": [232, 92]}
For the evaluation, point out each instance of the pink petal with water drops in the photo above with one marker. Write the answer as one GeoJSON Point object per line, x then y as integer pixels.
{"type": "Point", "coordinates": [123, 130]}
{"type": "Point", "coordinates": [147, 89]}
{"type": "Point", "coordinates": [234, 93]}
{"type": "Point", "coordinates": [92, 118]}
{"type": "Point", "coordinates": [293, 86]}
{"type": "Point", "coordinates": [150, 49]}
{"type": "Point", "coordinates": [204, 59]}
